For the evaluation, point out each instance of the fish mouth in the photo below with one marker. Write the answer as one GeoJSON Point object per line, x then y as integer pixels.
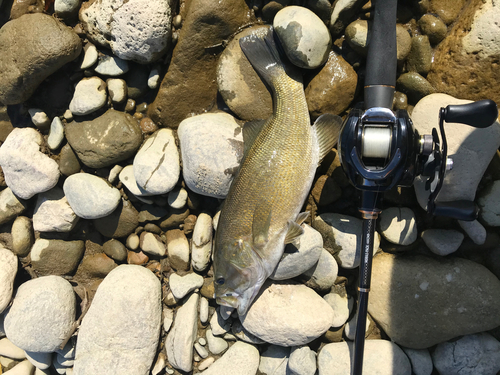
{"type": "Point", "coordinates": [228, 300]}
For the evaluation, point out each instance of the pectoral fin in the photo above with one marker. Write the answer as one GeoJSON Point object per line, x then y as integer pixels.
{"type": "Point", "coordinates": [327, 128]}
{"type": "Point", "coordinates": [294, 227]}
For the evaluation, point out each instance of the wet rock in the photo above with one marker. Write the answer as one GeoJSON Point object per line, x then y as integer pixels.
{"type": "Point", "coordinates": [472, 354]}
{"type": "Point", "coordinates": [303, 35]}
{"type": "Point", "coordinates": [420, 301]}
{"type": "Point", "coordinates": [10, 206]}
{"type": "Point", "coordinates": [287, 314]}
{"type": "Point", "coordinates": [433, 27]}
{"type": "Point", "coordinates": [53, 212]}
{"type": "Point", "coordinates": [488, 203]}
{"type": "Point", "coordinates": [48, 303]}
{"type": "Point", "coordinates": [27, 170]}
{"type": "Point", "coordinates": [414, 86]}
{"type": "Point", "coordinates": [404, 43]}
{"type": "Point", "coordinates": [22, 68]}
{"type": "Point", "coordinates": [442, 241]}
{"type": "Point", "coordinates": [397, 225]}
{"type": "Point", "coordinates": [105, 140]}
{"type": "Point", "coordinates": [68, 162]}
{"type": "Point", "coordinates": [90, 197]}
{"type": "Point", "coordinates": [56, 257]}
{"type": "Point", "coordinates": [22, 236]}
{"type": "Point", "coordinates": [420, 57]}
{"type": "Point", "coordinates": [115, 250]}
{"type": "Point", "coordinates": [110, 65]}
{"type": "Point", "coordinates": [381, 357]}
{"type": "Point", "coordinates": [156, 164]}
{"type": "Point", "coordinates": [8, 267]}
{"type": "Point", "coordinates": [241, 358]}
{"type": "Point", "coordinates": [465, 63]}
{"type": "Point", "coordinates": [120, 331]}
{"type": "Point", "coordinates": [135, 30]}
{"type": "Point", "coordinates": [332, 89]}
{"type": "Point", "coordinates": [239, 85]}
{"type": "Point", "coordinates": [211, 144]}
{"type": "Point", "coordinates": [447, 10]}
{"type": "Point", "coordinates": [120, 223]}
{"type": "Point", "coordinates": [201, 245]}
{"type": "Point", "coordinates": [56, 134]}
{"type": "Point", "coordinates": [189, 88]}
{"type": "Point", "coordinates": [90, 95]}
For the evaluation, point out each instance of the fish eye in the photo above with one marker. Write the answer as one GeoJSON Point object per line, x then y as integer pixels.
{"type": "Point", "coordinates": [220, 281]}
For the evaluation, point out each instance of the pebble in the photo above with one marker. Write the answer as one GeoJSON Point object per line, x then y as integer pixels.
{"type": "Point", "coordinates": [442, 241]}
{"type": "Point", "coordinates": [133, 241]}
{"type": "Point", "coordinates": [180, 340]}
{"type": "Point", "coordinates": [152, 245]}
{"type": "Point", "coordinates": [404, 43]}
{"type": "Point", "coordinates": [381, 357]}
{"type": "Point", "coordinates": [302, 361]}
{"type": "Point", "coordinates": [350, 327]}
{"type": "Point", "coordinates": [181, 286]}
{"type": "Point", "coordinates": [27, 171]}
{"type": "Point", "coordinates": [56, 257]}
{"type": "Point", "coordinates": [48, 303]}
{"type": "Point", "coordinates": [342, 13]}
{"type": "Point", "coordinates": [341, 307]}
{"type": "Point", "coordinates": [304, 36]}
{"type": "Point", "coordinates": [10, 206]}
{"type": "Point", "coordinates": [356, 34]}
{"type": "Point", "coordinates": [202, 352]}
{"type": "Point", "coordinates": [421, 361]}
{"type": "Point", "coordinates": [420, 57]}
{"type": "Point", "coordinates": [168, 318]}
{"type": "Point", "coordinates": [114, 173]}
{"type": "Point", "coordinates": [127, 178]}
{"type": "Point", "coordinates": [91, 197]}
{"type": "Point", "coordinates": [177, 198]}
{"type": "Point", "coordinates": [41, 361]}
{"type": "Point", "coordinates": [124, 318]}
{"type": "Point", "coordinates": [178, 249]}
{"type": "Point", "coordinates": [414, 86]}
{"type": "Point", "coordinates": [121, 223]}
{"type": "Point", "coordinates": [68, 162]}
{"type": "Point", "coordinates": [115, 250]}
{"type": "Point", "coordinates": [117, 89]}
{"type": "Point", "coordinates": [474, 230]}
{"type": "Point", "coordinates": [218, 324]}
{"type": "Point", "coordinates": [274, 360]}
{"type": "Point", "coordinates": [270, 318]}
{"type": "Point", "coordinates": [154, 78]}
{"type": "Point", "coordinates": [201, 244]}
{"type": "Point", "coordinates": [66, 8]}
{"type": "Point", "coordinates": [240, 359]}
{"type": "Point", "coordinates": [206, 363]}
{"type": "Point", "coordinates": [160, 364]}
{"type": "Point", "coordinates": [343, 234]}
{"type": "Point", "coordinates": [110, 65]}
{"type": "Point", "coordinates": [39, 118]}
{"type": "Point", "coordinates": [323, 274]}
{"type": "Point", "coordinates": [56, 134]}
{"type": "Point", "coordinates": [90, 95]}
{"type": "Point", "coordinates": [488, 204]}
{"type": "Point", "coordinates": [204, 310]}
{"type": "Point", "coordinates": [209, 147]}
{"type": "Point", "coordinates": [216, 345]}
{"type": "Point", "coordinates": [398, 225]}
{"type": "Point", "coordinates": [22, 236]}
{"type": "Point", "coordinates": [22, 368]}
{"type": "Point", "coordinates": [8, 267]}
{"type": "Point", "coordinates": [53, 212]}
{"type": "Point", "coordinates": [469, 355]}
{"type": "Point", "coordinates": [300, 255]}
{"type": "Point", "coordinates": [9, 350]}
{"type": "Point", "coordinates": [156, 164]}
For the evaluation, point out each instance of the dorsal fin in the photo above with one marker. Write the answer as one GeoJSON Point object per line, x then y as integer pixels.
{"type": "Point", "coordinates": [260, 225]}
{"type": "Point", "coordinates": [327, 128]}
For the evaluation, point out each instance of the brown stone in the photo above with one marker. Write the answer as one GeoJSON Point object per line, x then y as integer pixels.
{"type": "Point", "coordinates": [120, 223]}
{"type": "Point", "coordinates": [137, 257]}
{"type": "Point", "coordinates": [189, 87]}
{"type": "Point", "coordinates": [21, 7]}
{"type": "Point", "coordinates": [447, 10]}
{"type": "Point", "coordinates": [326, 191]}
{"type": "Point", "coordinates": [148, 126]}
{"type": "Point", "coordinates": [175, 218]}
{"type": "Point", "coordinates": [208, 289]}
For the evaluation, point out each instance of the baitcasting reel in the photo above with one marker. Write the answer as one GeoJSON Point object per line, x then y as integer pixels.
{"type": "Point", "coordinates": [380, 149]}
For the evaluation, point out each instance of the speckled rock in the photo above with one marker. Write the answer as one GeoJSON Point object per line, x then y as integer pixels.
{"type": "Point", "coordinates": [90, 95]}
{"type": "Point", "coordinates": [53, 212]}
{"type": "Point", "coordinates": [420, 57]}
{"type": "Point", "coordinates": [8, 267]}
{"type": "Point", "coordinates": [414, 86]}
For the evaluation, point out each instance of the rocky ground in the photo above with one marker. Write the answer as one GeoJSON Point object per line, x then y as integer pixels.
{"type": "Point", "coordinates": [118, 123]}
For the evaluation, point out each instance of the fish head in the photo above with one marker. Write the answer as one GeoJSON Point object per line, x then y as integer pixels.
{"type": "Point", "coordinates": [238, 277]}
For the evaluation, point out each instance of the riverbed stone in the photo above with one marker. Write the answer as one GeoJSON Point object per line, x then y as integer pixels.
{"type": "Point", "coordinates": [302, 361]}
{"type": "Point", "coordinates": [487, 202]}
{"type": "Point", "coordinates": [22, 236]}
{"type": "Point", "coordinates": [48, 303]}
{"type": "Point", "coordinates": [56, 134]}
{"type": "Point", "coordinates": [120, 223]}
{"type": "Point", "coordinates": [442, 241]}
{"type": "Point", "coordinates": [56, 257]}
{"type": "Point", "coordinates": [111, 65]}
{"type": "Point", "coordinates": [421, 361]}
{"type": "Point", "coordinates": [105, 140]}
{"type": "Point", "coordinates": [68, 162]}
{"type": "Point", "coordinates": [323, 274]}
{"type": "Point", "coordinates": [240, 359]}
{"type": "Point", "coordinates": [420, 301]}
{"type": "Point", "coordinates": [8, 266]}
{"type": "Point", "coordinates": [115, 250]}
{"type": "Point", "coordinates": [90, 95]}
{"type": "Point", "coordinates": [181, 286]}
{"type": "Point", "coordinates": [420, 57]}
{"type": "Point", "coordinates": [10, 206]}
{"type": "Point", "coordinates": [433, 27]}
{"type": "Point", "coordinates": [53, 212]}
{"type": "Point", "coordinates": [201, 245]}
{"type": "Point", "coordinates": [121, 329]}
{"type": "Point", "coordinates": [178, 249]}
{"type": "Point", "coordinates": [398, 225]}
{"type": "Point", "coordinates": [22, 65]}
{"type": "Point", "coordinates": [414, 86]}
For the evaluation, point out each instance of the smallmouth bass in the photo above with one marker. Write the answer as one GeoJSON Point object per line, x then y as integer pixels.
{"type": "Point", "coordinates": [261, 211]}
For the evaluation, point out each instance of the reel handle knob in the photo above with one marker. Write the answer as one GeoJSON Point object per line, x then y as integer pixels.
{"type": "Point", "coordinates": [460, 210]}
{"type": "Point", "coordinates": [480, 114]}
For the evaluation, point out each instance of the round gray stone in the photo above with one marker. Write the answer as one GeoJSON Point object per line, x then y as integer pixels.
{"type": "Point", "coordinates": [488, 203]}
{"type": "Point", "coordinates": [323, 274]}
{"type": "Point", "coordinates": [110, 65]}
{"type": "Point", "coordinates": [302, 360]}
{"type": "Point", "coordinates": [421, 361]}
{"type": "Point", "coordinates": [115, 250]}
{"type": "Point", "coordinates": [274, 360]}
{"type": "Point", "coordinates": [181, 286]}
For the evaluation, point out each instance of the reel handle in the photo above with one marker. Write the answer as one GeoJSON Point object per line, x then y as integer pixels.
{"type": "Point", "coordinates": [480, 114]}
{"type": "Point", "coordinates": [461, 210]}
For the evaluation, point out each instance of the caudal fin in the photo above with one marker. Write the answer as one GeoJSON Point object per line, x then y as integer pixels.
{"type": "Point", "coordinates": [263, 55]}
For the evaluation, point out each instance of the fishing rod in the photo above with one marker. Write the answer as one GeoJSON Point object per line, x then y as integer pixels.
{"type": "Point", "coordinates": [380, 149]}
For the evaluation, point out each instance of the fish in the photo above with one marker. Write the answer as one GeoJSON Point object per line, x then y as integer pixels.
{"type": "Point", "coordinates": [261, 212]}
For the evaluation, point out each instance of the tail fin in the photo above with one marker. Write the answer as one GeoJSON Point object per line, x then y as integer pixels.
{"type": "Point", "coordinates": [263, 55]}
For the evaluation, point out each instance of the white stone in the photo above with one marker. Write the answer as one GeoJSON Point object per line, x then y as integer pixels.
{"type": "Point", "coordinates": [10, 206]}
{"type": "Point", "coordinates": [49, 304]}
{"type": "Point", "coordinates": [177, 198]}
{"type": "Point", "coordinates": [474, 230]}
{"type": "Point", "coordinates": [381, 357]}
{"type": "Point", "coordinates": [216, 345]}
{"type": "Point", "coordinates": [110, 65]}
{"type": "Point", "coordinates": [56, 134]}
{"type": "Point", "coordinates": [180, 340]}
{"type": "Point", "coordinates": [206, 363]}
{"type": "Point", "coordinates": [90, 95]}
{"type": "Point", "coordinates": [324, 273]}
{"type": "Point", "coordinates": [218, 324]}
{"type": "Point", "coordinates": [8, 271]}
{"type": "Point", "coordinates": [240, 359]}
{"type": "Point", "coordinates": [53, 212]}
{"type": "Point", "coordinates": [300, 255]}
{"type": "Point", "coordinates": [68, 116]}
{"type": "Point", "coordinates": [168, 318]}
{"type": "Point", "coordinates": [350, 327]}
{"type": "Point", "coordinates": [204, 310]}
{"type": "Point", "coordinates": [40, 360]}
{"type": "Point", "coordinates": [202, 351]}
{"type": "Point", "coordinates": [22, 236]}
{"type": "Point", "coordinates": [201, 245]}
{"type": "Point", "coordinates": [91, 197]}
{"type": "Point", "coordinates": [27, 170]}
{"type": "Point", "coordinates": [114, 173]}
{"type": "Point", "coordinates": [240, 333]}
{"type": "Point", "coordinates": [127, 178]}
{"type": "Point", "coordinates": [302, 361]}
{"type": "Point", "coordinates": [65, 8]}
{"type": "Point", "coordinates": [178, 251]}
{"type": "Point", "coordinates": [154, 78]}
{"type": "Point", "coordinates": [489, 205]}
{"type": "Point", "coordinates": [398, 225]}
{"type": "Point", "coordinates": [288, 314]}
{"type": "Point", "coordinates": [157, 163]}
{"type": "Point", "coordinates": [421, 361]}
{"type": "Point", "coordinates": [23, 368]}
{"type": "Point", "coordinates": [151, 245]}
{"type": "Point", "coordinates": [39, 117]}
{"type": "Point", "coordinates": [470, 355]}
{"type": "Point", "coordinates": [209, 147]}
{"type": "Point", "coordinates": [90, 57]}
{"type": "Point", "coordinates": [442, 241]}
{"type": "Point", "coordinates": [9, 350]}
{"type": "Point", "coordinates": [274, 360]}
{"type": "Point", "coordinates": [120, 332]}
{"type": "Point", "coordinates": [117, 89]}
{"type": "Point", "coordinates": [341, 307]}
{"type": "Point", "coordinates": [484, 38]}
{"type": "Point", "coordinates": [133, 241]}
{"type": "Point", "coordinates": [182, 285]}
{"type": "Point", "coordinates": [345, 235]}
{"type": "Point", "coordinates": [160, 364]}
